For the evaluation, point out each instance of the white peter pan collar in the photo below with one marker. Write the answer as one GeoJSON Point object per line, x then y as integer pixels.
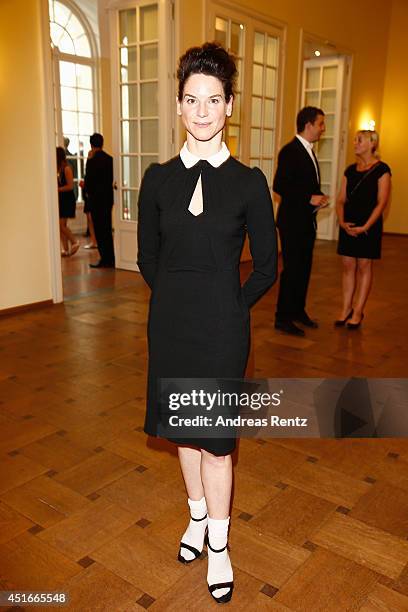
{"type": "Point", "coordinates": [190, 160]}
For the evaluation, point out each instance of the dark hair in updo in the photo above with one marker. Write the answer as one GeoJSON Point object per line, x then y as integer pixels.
{"type": "Point", "coordinates": [210, 59]}
{"type": "Point", "coordinates": [61, 158]}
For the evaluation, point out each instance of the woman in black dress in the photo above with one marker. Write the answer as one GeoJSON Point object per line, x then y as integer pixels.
{"type": "Point", "coordinates": [194, 212]}
{"type": "Point", "coordinates": [360, 205]}
{"type": "Point", "coordinates": [66, 202]}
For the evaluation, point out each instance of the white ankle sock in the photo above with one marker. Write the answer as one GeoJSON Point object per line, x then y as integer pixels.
{"type": "Point", "coordinates": [194, 534]}
{"type": "Point", "coordinates": [219, 564]}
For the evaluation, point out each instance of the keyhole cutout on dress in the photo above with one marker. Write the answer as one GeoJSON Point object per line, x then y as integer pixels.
{"type": "Point", "coordinates": [196, 203]}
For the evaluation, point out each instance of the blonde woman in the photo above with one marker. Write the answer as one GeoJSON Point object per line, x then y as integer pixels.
{"type": "Point", "coordinates": [360, 205]}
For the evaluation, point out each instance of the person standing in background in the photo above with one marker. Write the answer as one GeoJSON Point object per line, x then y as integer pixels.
{"type": "Point", "coordinates": [66, 203]}
{"type": "Point", "coordinates": [71, 160]}
{"type": "Point", "coordinates": [90, 228]}
{"type": "Point", "coordinates": [363, 196]}
{"type": "Point", "coordinates": [297, 183]}
{"type": "Point", "coordinates": [99, 187]}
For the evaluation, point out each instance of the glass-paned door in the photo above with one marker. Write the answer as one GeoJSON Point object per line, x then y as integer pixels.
{"type": "Point", "coordinates": [141, 50]}
{"type": "Point", "coordinates": [257, 48]}
{"type": "Point", "coordinates": [251, 133]}
{"type": "Point", "coordinates": [265, 55]}
{"type": "Point", "coordinates": [139, 121]}
{"type": "Point", "coordinates": [323, 87]}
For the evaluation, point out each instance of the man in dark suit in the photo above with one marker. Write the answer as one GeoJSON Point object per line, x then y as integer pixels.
{"type": "Point", "coordinates": [99, 187]}
{"type": "Point", "coordinates": [297, 183]}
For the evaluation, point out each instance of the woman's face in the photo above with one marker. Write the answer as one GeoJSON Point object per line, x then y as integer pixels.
{"type": "Point", "coordinates": [203, 108]}
{"type": "Point", "coordinates": [362, 144]}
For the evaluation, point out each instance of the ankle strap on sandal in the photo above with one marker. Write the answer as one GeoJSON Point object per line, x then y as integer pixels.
{"type": "Point", "coordinates": [213, 549]}
{"type": "Point", "coordinates": [198, 520]}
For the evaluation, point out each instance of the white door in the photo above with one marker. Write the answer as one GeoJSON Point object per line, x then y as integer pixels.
{"type": "Point", "coordinates": [322, 86]}
{"type": "Point", "coordinates": [252, 133]}
{"type": "Point", "coordinates": [142, 91]}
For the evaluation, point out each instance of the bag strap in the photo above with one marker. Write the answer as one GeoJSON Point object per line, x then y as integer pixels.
{"type": "Point", "coordinates": [363, 178]}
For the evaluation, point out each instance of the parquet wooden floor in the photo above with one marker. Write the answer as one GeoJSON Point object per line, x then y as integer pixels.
{"type": "Point", "coordinates": [90, 506]}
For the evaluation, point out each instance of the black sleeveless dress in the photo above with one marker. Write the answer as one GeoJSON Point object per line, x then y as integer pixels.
{"type": "Point", "coordinates": [358, 208]}
{"type": "Point", "coordinates": [198, 324]}
{"type": "Point", "coordinates": [66, 199]}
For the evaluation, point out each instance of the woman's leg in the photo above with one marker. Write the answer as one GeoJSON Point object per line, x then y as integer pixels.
{"type": "Point", "coordinates": [70, 236]}
{"type": "Point", "coordinates": [91, 229]}
{"type": "Point", "coordinates": [364, 277]}
{"type": "Point", "coordinates": [66, 232]}
{"type": "Point", "coordinates": [63, 236]}
{"type": "Point", "coordinates": [190, 461]}
{"type": "Point", "coordinates": [216, 476]}
{"type": "Point", "coordinates": [67, 235]}
{"type": "Point", "coordinates": [349, 284]}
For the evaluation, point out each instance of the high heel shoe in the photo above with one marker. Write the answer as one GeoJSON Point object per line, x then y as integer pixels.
{"type": "Point", "coordinates": [342, 322]}
{"type": "Point", "coordinates": [192, 549]}
{"type": "Point", "coordinates": [220, 585]}
{"type": "Point", "coordinates": [355, 325]}
{"type": "Point", "coordinates": [74, 248]}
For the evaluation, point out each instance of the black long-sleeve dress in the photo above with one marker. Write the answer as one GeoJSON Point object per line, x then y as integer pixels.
{"type": "Point", "coordinates": [198, 324]}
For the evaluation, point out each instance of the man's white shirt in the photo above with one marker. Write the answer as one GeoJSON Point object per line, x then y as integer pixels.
{"type": "Point", "coordinates": [309, 148]}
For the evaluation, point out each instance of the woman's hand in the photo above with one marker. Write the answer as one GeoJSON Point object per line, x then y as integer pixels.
{"type": "Point", "coordinates": [349, 228]}
{"type": "Point", "coordinates": [360, 230]}
{"type": "Point", "coordinates": [319, 201]}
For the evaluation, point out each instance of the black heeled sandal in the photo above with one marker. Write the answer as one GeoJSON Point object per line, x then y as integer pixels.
{"type": "Point", "coordinates": [195, 551]}
{"type": "Point", "coordinates": [342, 322]}
{"type": "Point", "coordinates": [355, 325]}
{"type": "Point", "coordinates": [220, 585]}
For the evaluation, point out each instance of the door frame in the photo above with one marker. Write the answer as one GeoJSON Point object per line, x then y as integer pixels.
{"type": "Point", "coordinates": [48, 130]}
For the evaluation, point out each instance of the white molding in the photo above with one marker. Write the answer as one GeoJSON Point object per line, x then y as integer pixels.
{"type": "Point", "coordinates": [49, 163]}
{"type": "Point", "coordinates": [248, 12]}
{"type": "Point", "coordinates": [338, 48]}
{"type": "Point", "coordinates": [115, 104]}
{"type": "Point", "coordinates": [164, 76]}
{"type": "Point", "coordinates": [127, 4]}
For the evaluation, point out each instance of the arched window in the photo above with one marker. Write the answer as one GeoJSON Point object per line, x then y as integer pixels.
{"type": "Point", "coordinates": [74, 83]}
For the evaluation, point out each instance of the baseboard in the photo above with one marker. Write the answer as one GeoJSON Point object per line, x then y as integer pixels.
{"type": "Point", "coordinates": [24, 307]}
